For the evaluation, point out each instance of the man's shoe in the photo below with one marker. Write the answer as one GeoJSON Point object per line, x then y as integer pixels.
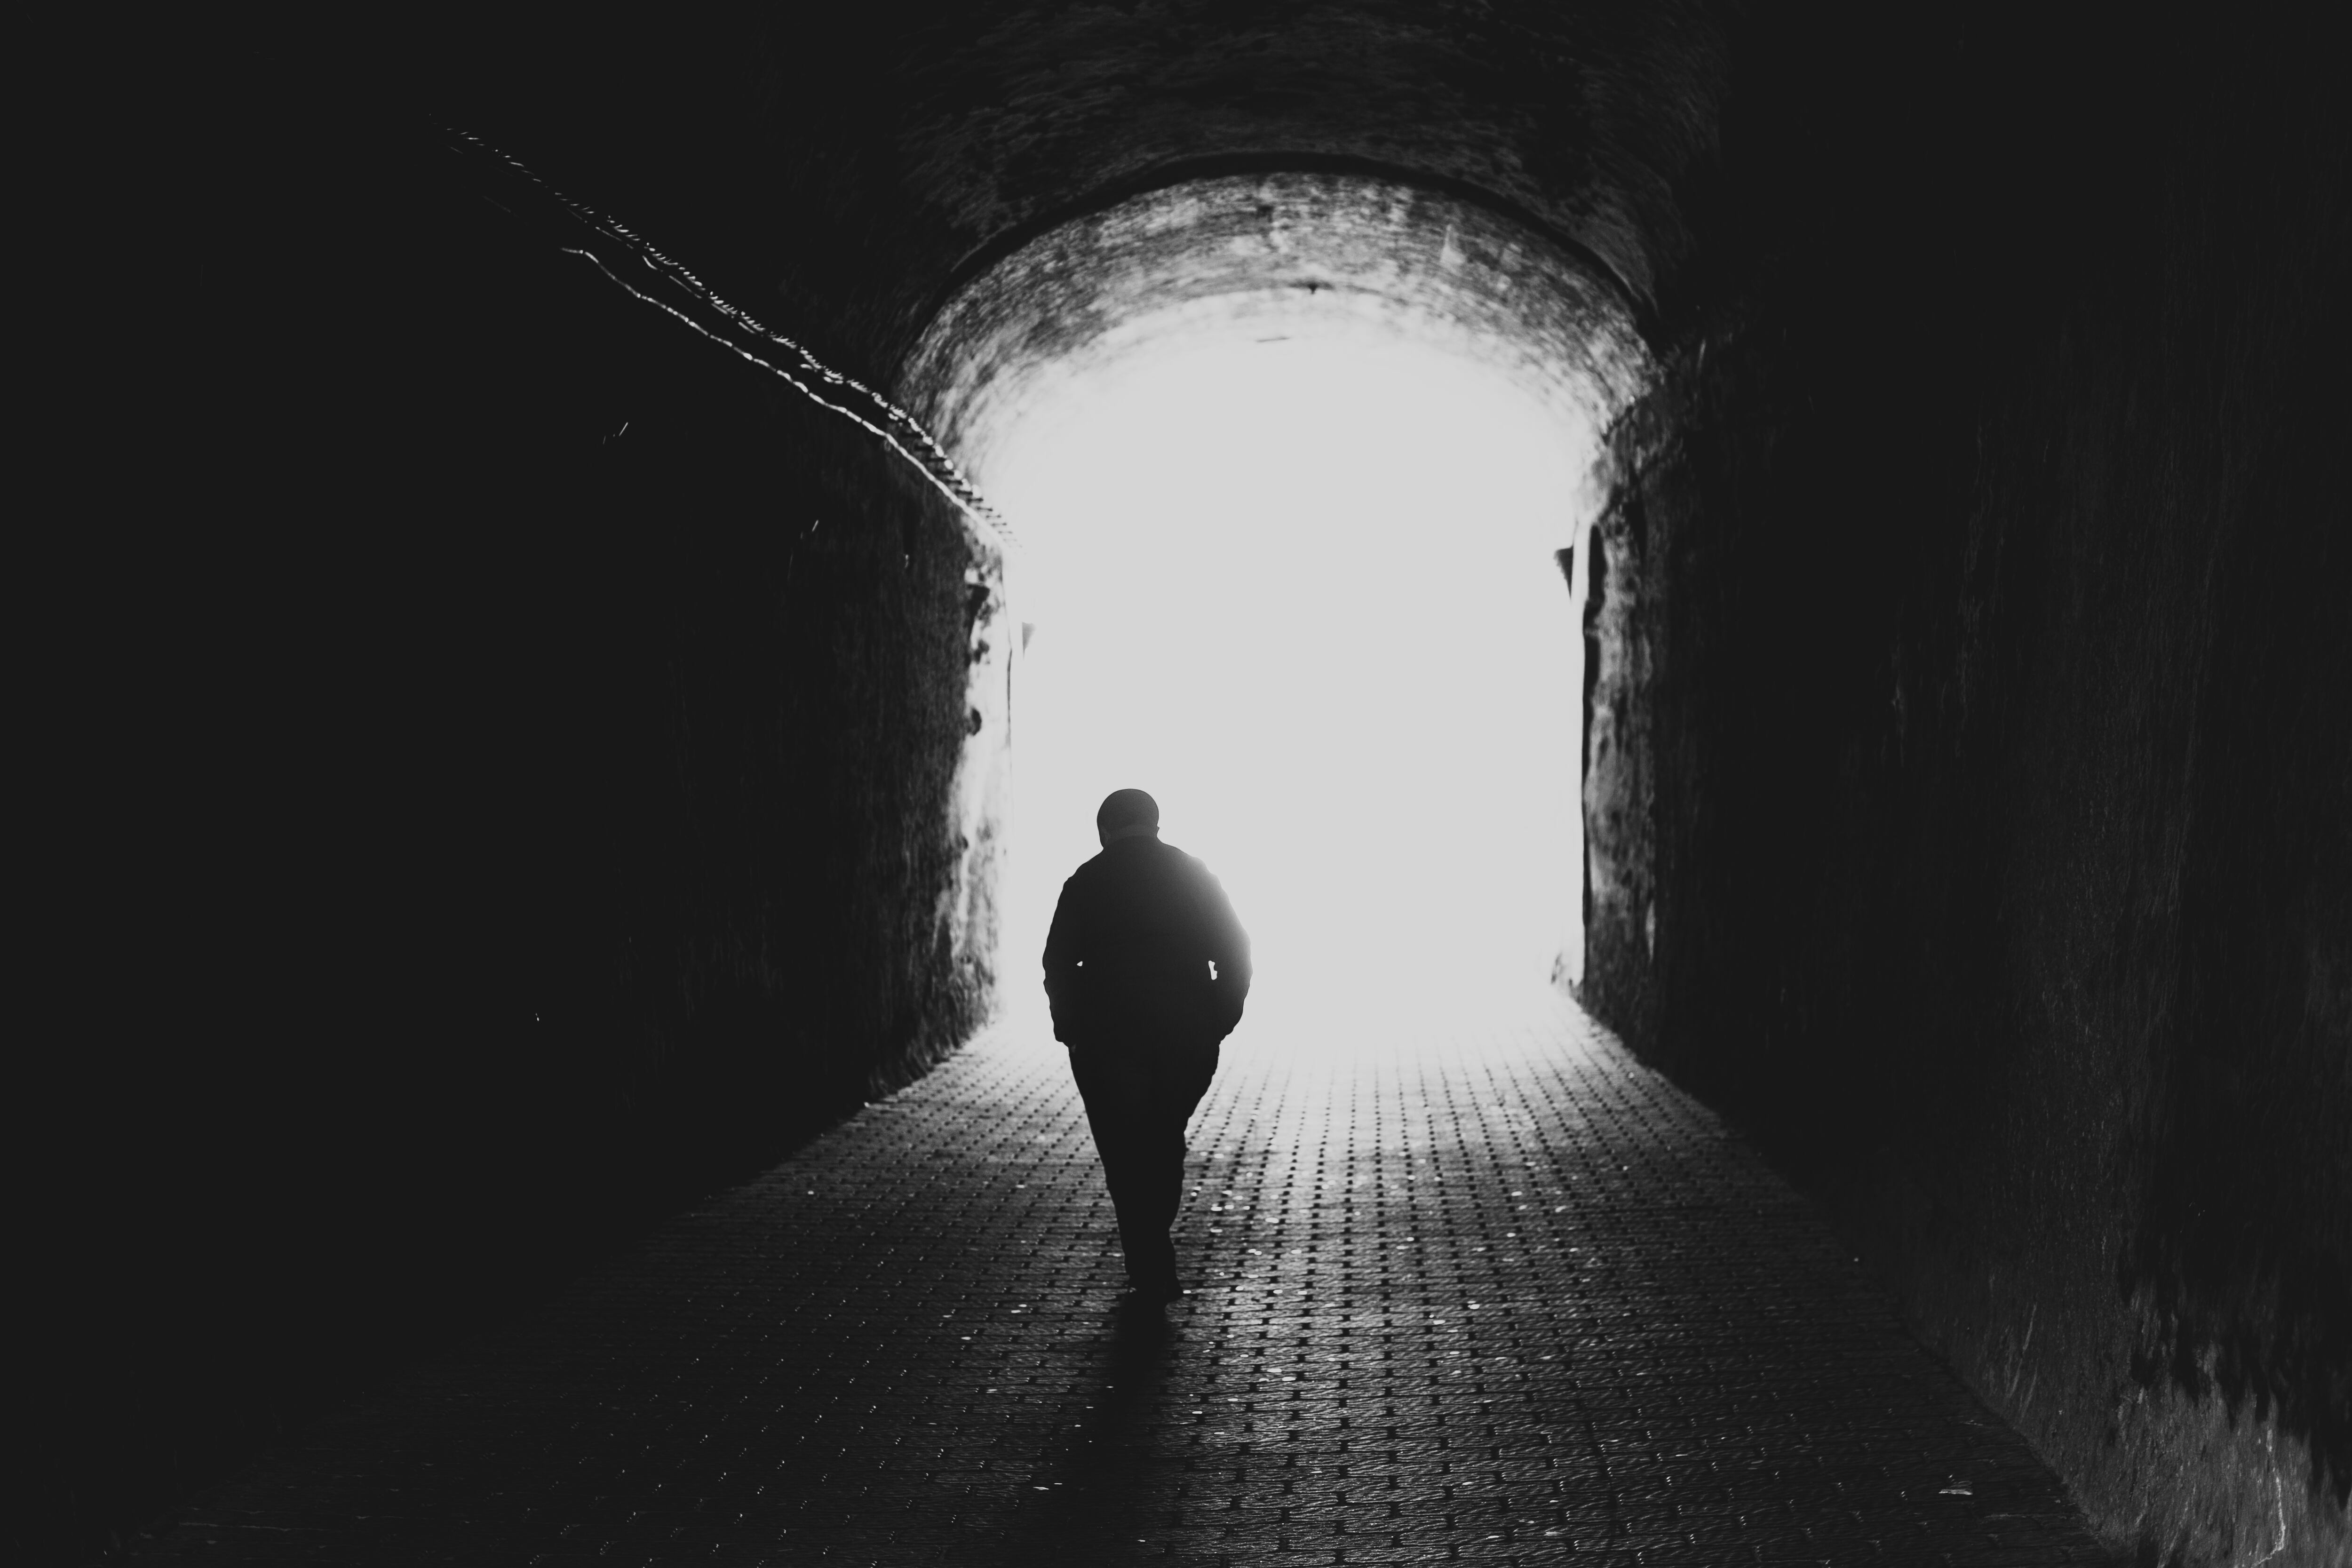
{"type": "Point", "coordinates": [1153, 1293]}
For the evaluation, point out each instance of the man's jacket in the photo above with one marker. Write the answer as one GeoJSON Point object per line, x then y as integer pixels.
{"type": "Point", "coordinates": [1145, 945]}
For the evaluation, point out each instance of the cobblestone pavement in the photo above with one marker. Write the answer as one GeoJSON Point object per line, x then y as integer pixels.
{"type": "Point", "coordinates": [1495, 1294]}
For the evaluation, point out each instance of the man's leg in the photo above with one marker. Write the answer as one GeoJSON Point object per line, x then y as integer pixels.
{"type": "Point", "coordinates": [1180, 1078]}
{"type": "Point", "coordinates": [1116, 1083]}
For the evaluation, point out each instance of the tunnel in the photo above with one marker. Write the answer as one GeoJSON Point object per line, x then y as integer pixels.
{"type": "Point", "coordinates": [1293, 458]}
{"type": "Point", "coordinates": [548, 717]}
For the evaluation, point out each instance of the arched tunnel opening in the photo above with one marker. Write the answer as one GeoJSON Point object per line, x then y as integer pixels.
{"type": "Point", "coordinates": [1295, 460]}
{"type": "Point", "coordinates": [1832, 539]}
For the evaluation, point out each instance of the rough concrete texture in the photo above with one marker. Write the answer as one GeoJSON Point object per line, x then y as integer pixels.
{"type": "Point", "coordinates": [1621, 848]}
{"type": "Point", "coordinates": [1491, 1293]}
{"type": "Point", "coordinates": [1996, 806]}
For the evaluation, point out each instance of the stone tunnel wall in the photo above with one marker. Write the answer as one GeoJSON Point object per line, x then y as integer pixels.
{"type": "Point", "coordinates": [582, 755]}
{"type": "Point", "coordinates": [1978, 605]}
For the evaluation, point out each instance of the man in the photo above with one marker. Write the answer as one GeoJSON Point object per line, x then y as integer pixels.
{"type": "Point", "coordinates": [1147, 970]}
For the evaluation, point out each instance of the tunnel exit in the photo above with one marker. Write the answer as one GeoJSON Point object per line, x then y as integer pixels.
{"type": "Point", "coordinates": [1298, 578]}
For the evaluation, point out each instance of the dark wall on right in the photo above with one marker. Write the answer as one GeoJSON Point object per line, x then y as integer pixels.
{"type": "Point", "coordinates": [1971, 788]}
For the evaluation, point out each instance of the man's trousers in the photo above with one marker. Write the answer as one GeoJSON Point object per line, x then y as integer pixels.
{"type": "Point", "coordinates": [1139, 1093]}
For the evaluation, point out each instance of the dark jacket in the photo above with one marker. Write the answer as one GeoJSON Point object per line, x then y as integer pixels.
{"type": "Point", "coordinates": [1135, 936]}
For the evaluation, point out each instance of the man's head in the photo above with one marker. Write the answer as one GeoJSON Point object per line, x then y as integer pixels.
{"type": "Point", "coordinates": [1127, 814]}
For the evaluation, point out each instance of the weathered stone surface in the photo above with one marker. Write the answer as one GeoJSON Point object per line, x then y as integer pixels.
{"type": "Point", "coordinates": [618, 818]}
{"type": "Point", "coordinates": [1213, 255]}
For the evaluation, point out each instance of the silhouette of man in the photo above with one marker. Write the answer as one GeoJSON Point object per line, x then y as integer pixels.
{"type": "Point", "coordinates": [1147, 970]}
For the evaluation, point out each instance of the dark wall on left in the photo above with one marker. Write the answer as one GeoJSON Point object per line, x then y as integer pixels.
{"type": "Point", "coordinates": [520, 795]}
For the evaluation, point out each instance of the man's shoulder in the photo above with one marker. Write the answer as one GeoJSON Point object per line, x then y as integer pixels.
{"type": "Point", "coordinates": [1094, 877]}
{"type": "Point", "coordinates": [1138, 861]}
{"type": "Point", "coordinates": [1174, 862]}
{"type": "Point", "coordinates": [1090, 869]}
{"type": "Point", "coordinates": [1192, 864]}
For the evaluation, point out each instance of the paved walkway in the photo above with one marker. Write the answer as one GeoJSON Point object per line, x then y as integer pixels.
{"type": "Point", "coordinates": [1497, 1294]}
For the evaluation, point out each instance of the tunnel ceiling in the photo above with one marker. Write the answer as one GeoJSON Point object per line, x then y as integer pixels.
{"type": "Point", "coordinates": [850, 180]}
{"type": "Point", "coordinates": [1279, 252]}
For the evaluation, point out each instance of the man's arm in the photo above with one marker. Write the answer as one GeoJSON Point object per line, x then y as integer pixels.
{"type": "Point", "coordinates": [1063, 957]}
{"type": "Point", "coordinates": [1229, 951]}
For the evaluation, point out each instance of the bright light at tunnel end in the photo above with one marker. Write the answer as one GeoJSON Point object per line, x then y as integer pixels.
{"type": "Point", "coordinates": [1296, 578]}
